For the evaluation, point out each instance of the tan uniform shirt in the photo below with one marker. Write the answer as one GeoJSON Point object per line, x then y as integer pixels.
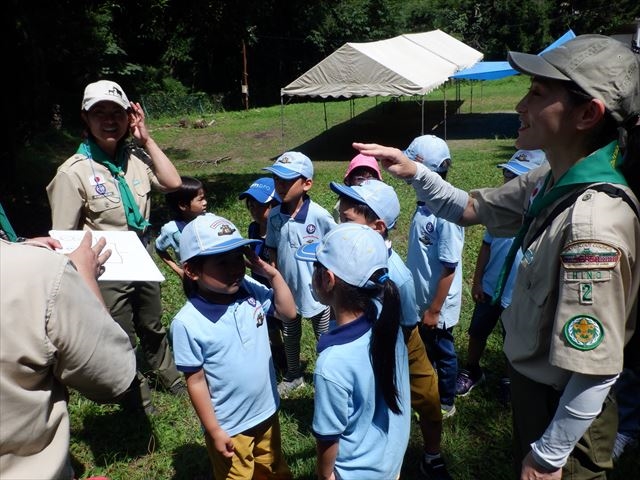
{"type": "Point", "coordinates": [574, 301]}
{"type": "Point", "coordinates": [53, 333]}
{"type": "Point", "coordinates": [84, 195]}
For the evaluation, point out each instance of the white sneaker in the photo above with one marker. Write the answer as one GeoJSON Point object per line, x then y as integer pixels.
{"type": "Point", "coordinates": [285, 387]}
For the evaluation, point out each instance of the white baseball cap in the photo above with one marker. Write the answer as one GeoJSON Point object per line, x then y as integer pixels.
{"type": "Point", "coordinates": [352, 251]}
{"type": "Point", "coordinates": [431, 151]}
{"type": "Point", "coordinates": [104, 91]}
{"type": "Point", "coordinates": [210, 234]}
{"type": "Point", "coordinates": [524, 160]}
{"type": "Point", "coordinates": [377, 195]}
{"type": "Point", "coordinates": [292, 165]}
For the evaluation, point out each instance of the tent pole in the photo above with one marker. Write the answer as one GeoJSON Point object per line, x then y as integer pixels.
{"type": "Point", "coordinates": [471, 104]}
{"type": "Point", "coordinates": [444, 92]}
{"type": "Point", "coordinates": [326, 126]}
{"type": "Point", "coordinates": [282, 120]}
{"type": "Point", "coordinates": [422, 108]}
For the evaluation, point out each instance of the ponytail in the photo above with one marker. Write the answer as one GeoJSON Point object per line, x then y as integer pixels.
{"type": "Point", "coordinates": [383, 341]}
{"type": "Point", "coordinates": [384, 331]}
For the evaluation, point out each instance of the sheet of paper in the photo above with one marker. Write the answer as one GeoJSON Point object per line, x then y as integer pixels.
{"type": "Point", "coordinates": [129, 260]}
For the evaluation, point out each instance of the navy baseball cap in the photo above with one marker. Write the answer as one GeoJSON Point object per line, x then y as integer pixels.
{"type": "Point", "coordinates": [262, 191]}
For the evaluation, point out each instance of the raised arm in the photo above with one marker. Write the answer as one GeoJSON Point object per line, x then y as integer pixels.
{"type": "Point", "coordinates": [442, 198]}
{"type": "Point", "coordinates": [165, 171]}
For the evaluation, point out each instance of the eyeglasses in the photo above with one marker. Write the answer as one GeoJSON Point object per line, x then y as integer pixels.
{"type": "Point", "coordinates": [360, 178]}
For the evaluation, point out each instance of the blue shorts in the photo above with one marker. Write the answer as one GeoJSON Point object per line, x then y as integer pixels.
{"type": "Point", "coordinates": [484, 319]}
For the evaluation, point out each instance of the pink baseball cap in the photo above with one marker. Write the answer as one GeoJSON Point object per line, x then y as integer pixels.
{"type": "Point", "coordinates": [361, 160]}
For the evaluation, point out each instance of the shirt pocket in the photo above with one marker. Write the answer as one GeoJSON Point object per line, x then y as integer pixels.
{"type": "Point", "coordinates": [100, 204]}
{"type": "Point", "coordinates": [141, 187]}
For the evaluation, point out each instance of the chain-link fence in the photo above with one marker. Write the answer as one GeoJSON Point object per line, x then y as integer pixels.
{"type": "Point", "coordinates": [173, 105]}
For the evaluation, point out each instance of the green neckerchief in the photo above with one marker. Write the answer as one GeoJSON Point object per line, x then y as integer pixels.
{"type": "Point", "coordinates": [91, 150]}
{"type": "Point", "coordinates": [5, 224]}
{"type": "Point", "coordinates": [599, 167]}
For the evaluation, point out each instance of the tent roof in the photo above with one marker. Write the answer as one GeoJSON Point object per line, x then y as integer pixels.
{"type": "Point", "coordinates": [411, 64]}
{"type": "Point", "coordinates": [496, 70]}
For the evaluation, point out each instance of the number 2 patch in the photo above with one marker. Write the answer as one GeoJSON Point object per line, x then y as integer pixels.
{"type": "Point", "coordinates": [586, 293]}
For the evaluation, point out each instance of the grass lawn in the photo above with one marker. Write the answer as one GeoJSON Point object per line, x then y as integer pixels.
{"type": "Point", "coordinates": [228, 155]}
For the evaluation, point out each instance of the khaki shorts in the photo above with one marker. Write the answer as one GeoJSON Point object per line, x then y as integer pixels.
{"type": "Point", "coordinates": [258, 454]}
{"type": "Point", "coordinates": [425, 398]}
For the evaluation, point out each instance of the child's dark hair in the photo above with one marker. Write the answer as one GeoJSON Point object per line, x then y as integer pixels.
{"type": "Point", "coordinates": [187, 192]}
{"type": "Point", "coordinates": [365, 210]}
{"type": "Point", "coordinates": [385, 330]}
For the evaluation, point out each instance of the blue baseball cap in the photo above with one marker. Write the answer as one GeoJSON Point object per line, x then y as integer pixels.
{"type": "Point", "coordinates": [524, 160]}
{"type": "Point", "coordinates": [291, 165]}
{"type": "Point", "coordinates": [431, 151]}
{"type": "Point", "coordinates": [352, 251]}
{"type": "Point", "coordinates": [210, 234]}
{"type": "Point", "coordinates": [262, 191]}
{"type": "Point", "coordinates": [377, 195]}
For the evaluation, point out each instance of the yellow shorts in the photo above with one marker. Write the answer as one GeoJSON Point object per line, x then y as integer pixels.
{"type": "Point", "coordinates": [258, 454]}
{"type": "Point", "coordinates": [425, 398]}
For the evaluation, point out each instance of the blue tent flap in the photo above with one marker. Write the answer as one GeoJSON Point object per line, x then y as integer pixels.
{"type": "Point", "coordinates": [496, 70]}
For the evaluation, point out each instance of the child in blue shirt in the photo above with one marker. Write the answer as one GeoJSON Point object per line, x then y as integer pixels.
{"type": "Point", "coordinates": [375, 204]}
{"type": "Point", "coordinates": [486, 314]}
{"type": "Point", "coordinates": [185, 204]}
{"type": "Point", "coordinates": [296, 221]}
{"type": "Point", "coordinates": [260, 197]}
{"type": "Point", "coordinates": [220, 342]}
{"type": "Point", "coordinates": [362, 410]}
{"type": "Point", "coordinates": [434, 256]}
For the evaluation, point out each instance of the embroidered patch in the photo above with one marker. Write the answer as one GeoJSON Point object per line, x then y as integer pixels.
{"type": "Point", "coordinates": [96, 180]}
{"type": "Point", "coordinates": [588, 275]}
{"type": "Point", "coordinates": [586, 293]}
{"type": "Point", "coordinates": [583, 332]}
{"type": "Point", "coordinates": [589, 255]}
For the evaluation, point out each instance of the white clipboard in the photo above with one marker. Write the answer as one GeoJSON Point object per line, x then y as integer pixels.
{"type": "Point", "coordinates": [129, 260]}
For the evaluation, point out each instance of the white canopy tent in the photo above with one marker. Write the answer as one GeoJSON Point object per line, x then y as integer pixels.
{"type": "Point", "coordinates": [411, 64]}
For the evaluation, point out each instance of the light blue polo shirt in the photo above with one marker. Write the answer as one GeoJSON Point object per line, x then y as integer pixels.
{"type": "Point", "coordinates": [286, 235]}
{"type": "Point", "coordinates": [433, 244]}
{"type": "Point", "coordinates": [231, 344]}
{"type": "Point", "coordinates": [348, 408]}
{"type": "Point", "coordinates": [498, 249]}
{"type": "Point", "coordinates": [401, 276]}
{"type": "Point", "coordinates": [169, 236]}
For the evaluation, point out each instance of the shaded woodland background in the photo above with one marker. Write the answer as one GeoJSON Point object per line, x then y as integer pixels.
{"type": "Point", "coordinates": [181, 48]}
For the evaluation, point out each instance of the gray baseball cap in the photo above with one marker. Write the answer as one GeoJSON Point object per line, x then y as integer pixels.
{"type": "Point", "coordinates": [603, 67]}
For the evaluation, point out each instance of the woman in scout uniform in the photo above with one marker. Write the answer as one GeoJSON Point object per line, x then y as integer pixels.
{"type": "Point", "coordinates": [575, 298]}
{"type": "Point", "coordinates": [106, 185]}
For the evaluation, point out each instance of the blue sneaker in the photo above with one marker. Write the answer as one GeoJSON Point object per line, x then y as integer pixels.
{"type": "Point", "coordinates": [465, 382]}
